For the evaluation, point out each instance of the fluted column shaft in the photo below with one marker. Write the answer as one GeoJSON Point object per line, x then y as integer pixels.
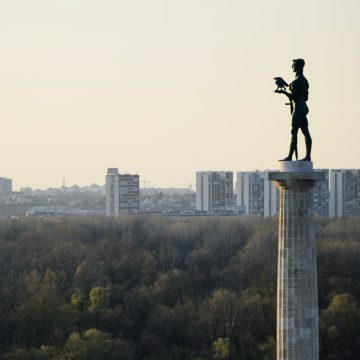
{"type": "Point", "coordinates": [297, 303]}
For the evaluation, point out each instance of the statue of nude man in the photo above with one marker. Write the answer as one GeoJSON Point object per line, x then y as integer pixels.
{"type": "Point", "coordinates": [298, 96]}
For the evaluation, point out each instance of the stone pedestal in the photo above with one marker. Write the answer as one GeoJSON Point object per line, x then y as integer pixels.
{"type": "Point", "coordinates": [297, 304]}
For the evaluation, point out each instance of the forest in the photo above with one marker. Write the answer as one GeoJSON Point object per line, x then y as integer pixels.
{"type": "Point", "coordinates": [133, 288]}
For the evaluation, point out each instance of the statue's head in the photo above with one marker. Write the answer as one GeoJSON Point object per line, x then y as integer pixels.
{"type": "Point", "coordinates": [298, 65]}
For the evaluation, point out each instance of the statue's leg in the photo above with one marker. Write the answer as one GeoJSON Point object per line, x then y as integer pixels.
{"type": "Point", "coordinates": [308, 140]}
{"type": "Point", "coordinates": [293, 143]}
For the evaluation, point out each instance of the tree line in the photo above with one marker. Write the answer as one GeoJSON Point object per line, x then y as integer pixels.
{"type": "Point", "coordinates": [154, 289]}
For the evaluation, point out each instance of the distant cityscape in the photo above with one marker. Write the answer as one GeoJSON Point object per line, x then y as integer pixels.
{"type": "Point", "coordinates": [253, 194]}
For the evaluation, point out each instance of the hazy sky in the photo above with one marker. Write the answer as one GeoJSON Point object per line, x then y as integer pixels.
{"type": "Point", "coordinates": [163, 88]}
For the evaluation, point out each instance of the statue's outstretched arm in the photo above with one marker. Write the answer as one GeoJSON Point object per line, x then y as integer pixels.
{"type": "Point", "coordinates": [289, 95]}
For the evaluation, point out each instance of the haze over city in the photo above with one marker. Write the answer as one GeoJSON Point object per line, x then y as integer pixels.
{"type": "Point", "coordinates": [163, 88]}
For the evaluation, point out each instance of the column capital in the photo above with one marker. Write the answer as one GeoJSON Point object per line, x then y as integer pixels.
{"type": "Point", "coordinates": [296, 175]}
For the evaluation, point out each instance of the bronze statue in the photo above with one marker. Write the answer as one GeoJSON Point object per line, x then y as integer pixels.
{"type": "Point", "coordinates": [298, 96]}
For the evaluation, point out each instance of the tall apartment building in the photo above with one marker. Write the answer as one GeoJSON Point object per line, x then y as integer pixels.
{"type": "Point", "coordinates": [271, 196]}
{"type": "Point", "coordinates": [214, 191]}
{"type": "Point", "coordinates": [344, 192]}
{"type": "Point", "coordinates": [5, 186]}
{"type": "Point", "coordinates": [256, 195]}
{"type": "Point", "coordinates": [122, 193]}
{"type": "Point", "coordinates": [321, 195]}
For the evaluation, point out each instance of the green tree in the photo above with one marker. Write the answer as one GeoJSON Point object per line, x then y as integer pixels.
{"type": "Point", "coordinates": [172, 286]}
{"type": "Point", "coordinates": [268, 349]}
{"type": "Point", "coordinates": [44, 353]}
{"type": "Point", "coordinates": [221, 348]}
{"type": "Point", "coordinates": [42, 315]}
{"type": "Point", "coordinates": [340, 328]}
{"type": "Point", "coordinates": [223, 313]}
{"type": "Point", "coordinates": [96, 345]}
{"type": "Point", "coordinates": [99, 297]}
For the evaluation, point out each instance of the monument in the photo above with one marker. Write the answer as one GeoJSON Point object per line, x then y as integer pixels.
{"type": "Point", "coordinates": [297, 304]}
{"type": "Point", "coordinates": [298, 96]}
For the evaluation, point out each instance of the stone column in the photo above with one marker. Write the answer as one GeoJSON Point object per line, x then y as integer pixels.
{"type": "Point", "coordinates": [297, 304]}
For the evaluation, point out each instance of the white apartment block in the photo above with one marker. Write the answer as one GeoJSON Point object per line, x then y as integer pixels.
{"type": "Point", "coordinates": [344, 192]}
{"type": "Point", "coordinates": [256, 195]}
{"type": "Point", "coordinates": [5, 186]}
{"type": "Point", "coordinates": [271, 196]}
{"type": "Point", "coordinates": [214, 191]}
{"type": "Point", "coordinates": [321, 194]}
{"type": "Point", "coordinates": [122, 193]}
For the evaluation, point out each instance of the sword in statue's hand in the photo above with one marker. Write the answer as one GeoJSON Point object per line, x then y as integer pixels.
{"type": "Point", "coordinates": [281, 86]}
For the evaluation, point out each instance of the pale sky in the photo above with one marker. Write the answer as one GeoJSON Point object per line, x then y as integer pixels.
{"type": "Point", "coordinates": [164, 88]}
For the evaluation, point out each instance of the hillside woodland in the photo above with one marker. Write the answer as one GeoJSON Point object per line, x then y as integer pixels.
{"type": "Point", "coordinates": [154, 289]}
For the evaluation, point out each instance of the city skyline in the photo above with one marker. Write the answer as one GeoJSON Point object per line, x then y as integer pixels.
{"type": "Point", "coordinates": [144, 184]}
{"type": "Point", "coordinates": [164, 88]}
